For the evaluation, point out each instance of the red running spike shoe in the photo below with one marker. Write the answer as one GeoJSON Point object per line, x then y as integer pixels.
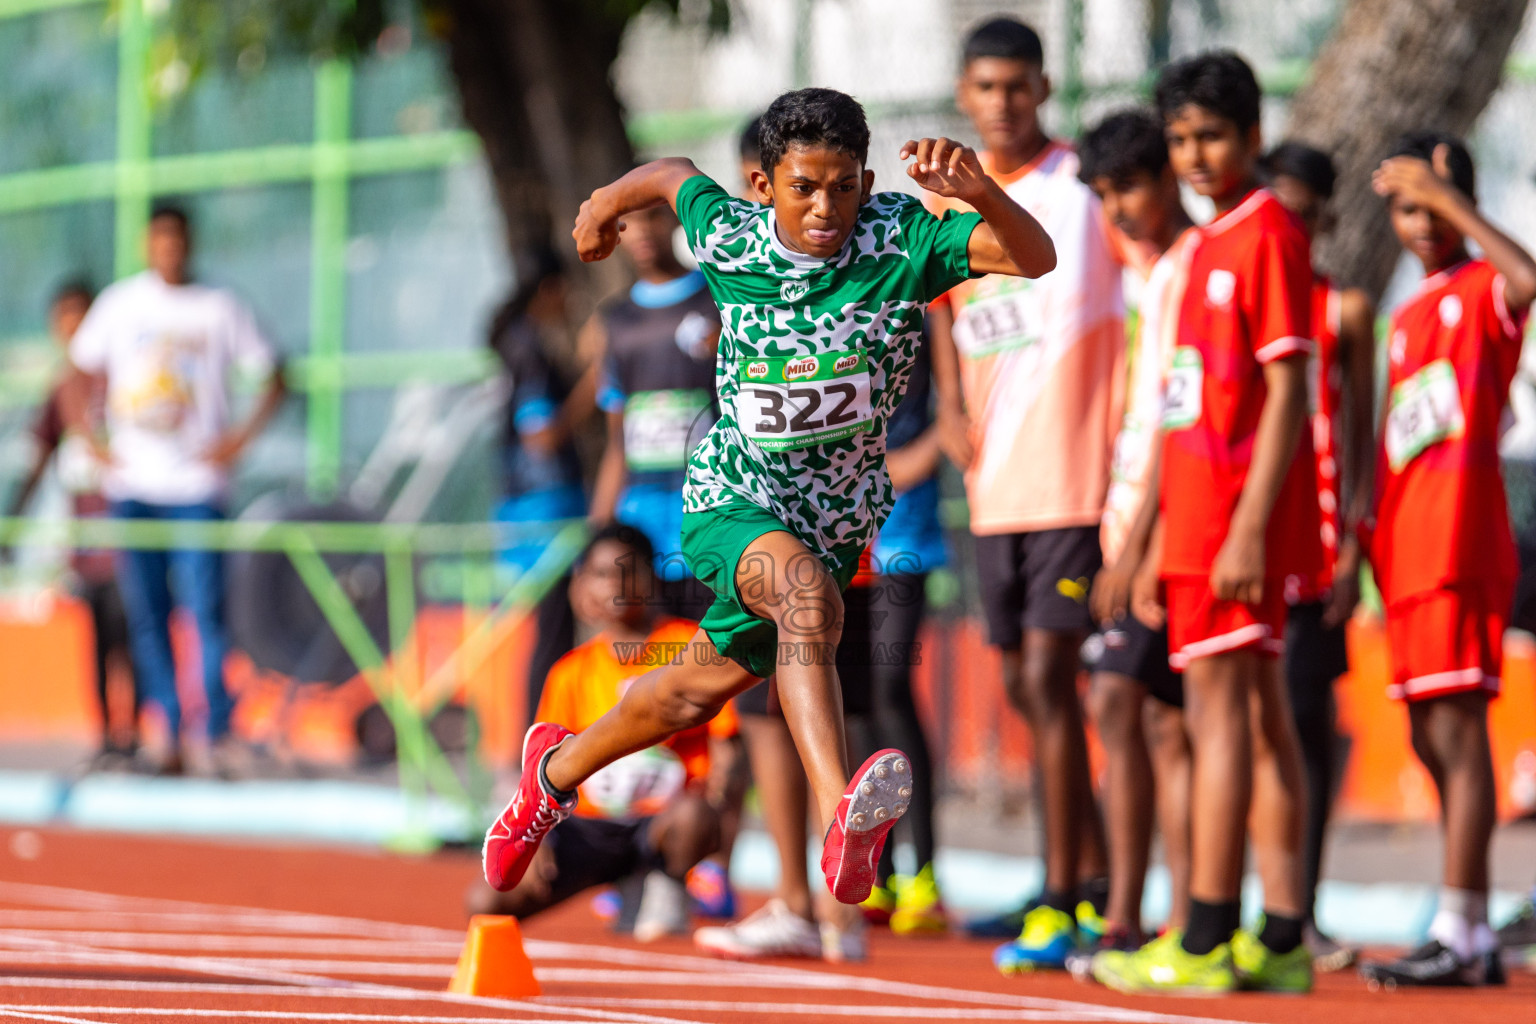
{"type": "Point", "coordinates": [877, 796]}
{"type": "Point", "coordinates": [514, 837]}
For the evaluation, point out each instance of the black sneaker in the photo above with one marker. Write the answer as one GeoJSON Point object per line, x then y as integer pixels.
{"type": "Point", "coordinates": [1002, 926]}
{"type": "Point", "coordinates": [1433, 964]}
{"type": "Point", "coordinates": [1520, 930]}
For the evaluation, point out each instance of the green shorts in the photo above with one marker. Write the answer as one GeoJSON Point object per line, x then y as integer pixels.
{"type": "Point", "coordinates": [713, 542]}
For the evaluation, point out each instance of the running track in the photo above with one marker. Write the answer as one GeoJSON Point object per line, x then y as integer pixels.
{"type": "Point", "coordinates": [98, 928]}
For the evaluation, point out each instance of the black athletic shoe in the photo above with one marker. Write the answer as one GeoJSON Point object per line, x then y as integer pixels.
{"type": "Point", "coordinates": [1519, 930]}
{"type": "Point", "coordinates": [1433, 964]}
{"type": "Point", "coordinates": [1002, 926]}
{"type": "Point", "coordinates": [1119, 937]}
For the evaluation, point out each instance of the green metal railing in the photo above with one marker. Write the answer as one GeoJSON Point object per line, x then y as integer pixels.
{"type": "Point", "coordinates": [409, 702]}
{"type": "Point", "coordinates": [330, 162]}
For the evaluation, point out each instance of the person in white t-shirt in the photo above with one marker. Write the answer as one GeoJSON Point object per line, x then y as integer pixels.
{"type": "Point", "coordinates": [165, 350]}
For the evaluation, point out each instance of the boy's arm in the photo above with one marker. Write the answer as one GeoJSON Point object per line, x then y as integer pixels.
{"type": "Point", "coordinates": [611, 474]}
{"type": "Point", "coordinates": [1237, 574]}
{"type": "Point", "coordinates": [949, 401]}
{"type": "Point", "coordinates": [1425, 184]}
{"type": "Point", "coordinates": [1010, 241]}
{"type": "Point", "coordinates": [1110, 597]}
{"type": "Point", "coordinates": [1357, 446]}
{"type": "Point", "coordinates": [915, 461]}
{"type": "Point", "coordinates": [598, 225]}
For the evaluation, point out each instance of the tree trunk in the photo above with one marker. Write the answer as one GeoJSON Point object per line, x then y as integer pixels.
{"type": "Point", "coordinates": [534, 77]}
{"type": "Point", "coordinates": [1395, 66]}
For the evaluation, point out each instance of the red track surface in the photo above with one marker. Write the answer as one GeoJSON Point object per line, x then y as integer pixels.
{"type": "Point", "coordinates": [99, 928]}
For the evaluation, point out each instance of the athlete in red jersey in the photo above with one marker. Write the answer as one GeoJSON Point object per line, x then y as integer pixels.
{"type": "Point", "coordinates": [1442, 548]}
{"type": "Point", "coordinates": [1239, 520]}
{"type": "Point", "coordinates": [1340, 381]}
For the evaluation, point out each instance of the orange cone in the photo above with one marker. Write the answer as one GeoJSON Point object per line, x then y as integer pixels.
{"type": "Point", "coordinates": [493, 962]}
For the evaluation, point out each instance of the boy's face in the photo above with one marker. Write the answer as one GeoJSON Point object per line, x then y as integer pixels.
{"type": "Point", "coordinates": [65, 316]}
{"type": "Point", "coordinates": [815, 193]}
{"type": "Point", "coordinates": [1297, 196]}
{"type": "Point", "coordinates": [1002, 97]}
{"type": "Point", "coordinates": [647, 238]}
{"type": "Point", "coordinates": [611, 589]}
{"type": "Point", "coordinates": [1425, 234]}
{"type": "Point", "coordinates": [166, 249]}
{"type": "Point", "coordinates": [1140, 205]}
{"type": "Point", "coordinates": [1209, 152]}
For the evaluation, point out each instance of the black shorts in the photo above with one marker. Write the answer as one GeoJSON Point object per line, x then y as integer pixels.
{"type": "Point", "coordinates": [596, 851]}
{"type": "Point", "coordinates": [1132, 649]}
{"type": "Point", "coordinates": [1037, 580]}
{"type": "Point", "coordinates": [880, 624]}
{"type": "Point", "coordinates": [1315, 656]}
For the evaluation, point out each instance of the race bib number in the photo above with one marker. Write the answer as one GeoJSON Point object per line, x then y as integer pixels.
{"type": "Point", "coordinates": [658, 426]}
{"type": "Point", "coordinates": [636, 786]}
{"type": "Point", "coordinates": [996, 321]}
{"type": "Point", "coordinates": [795, 403]}
{"type": "Point", "coordinates": [1185, 385]}
{"type": "Point", "coordinates": [1423, 410]}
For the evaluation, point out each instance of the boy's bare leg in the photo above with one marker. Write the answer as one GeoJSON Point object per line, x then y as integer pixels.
{"type": "Point", "coordinates": [1171, 766]}
{"type": "Point", "coordinates": [1115, 702]}
{"type": "Point", "coordinates": [1216, 712]}
{"type": "Point", "coordinates": [1453, 731]}
{"type": "Point", "coordinates": [658, 704]}
{"type": "Point", "coordinates": [1278, 813]}
{"type": "Point", "coordinates": [1041, 682]}
{"type": "Point", "coordinates": [782, 796]}
{"type": "Point", "coordinates": [781, 580]}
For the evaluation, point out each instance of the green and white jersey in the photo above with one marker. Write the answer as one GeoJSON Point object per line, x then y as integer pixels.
{"type": "Point", "coordinates": [814, 356]}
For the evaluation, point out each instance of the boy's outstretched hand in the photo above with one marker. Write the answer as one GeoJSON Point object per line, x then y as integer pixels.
{"type": "Point", "coordinates": [596, 238]}
{"type": "Point", "coordinates": [945, 167]}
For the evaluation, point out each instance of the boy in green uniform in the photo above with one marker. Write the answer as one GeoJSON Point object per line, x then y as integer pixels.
{"type": "Point", "coordinates": [821, 292]}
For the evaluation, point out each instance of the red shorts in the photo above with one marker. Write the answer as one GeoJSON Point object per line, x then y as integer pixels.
{"type": "Point", "coordinates": [1448, 641]}
{"type": "Point", "coordinates": [1200, 624]}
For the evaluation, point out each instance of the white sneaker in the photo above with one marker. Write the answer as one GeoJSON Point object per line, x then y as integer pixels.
{"type": "Point", "coordinates": [663, 908]}
{"type": "Point", "coordinates": [774, 930]}
{"type": "Point", "coordinates": [844, 945]}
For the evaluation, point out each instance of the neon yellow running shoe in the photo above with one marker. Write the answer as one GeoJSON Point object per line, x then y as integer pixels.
{"type": "Point", "coordinates": [1048, 936]}
{"type": "Point", "coordinates": [881, 903]}
{"type": "Point", "coordinates": [919, 910]}
{"type": "Point", "coordinates": [1091, 926]}
{"type": "Point", "coordinates": [1163, 965]}
{"type": "Point", "coordinates": [1261, 969]}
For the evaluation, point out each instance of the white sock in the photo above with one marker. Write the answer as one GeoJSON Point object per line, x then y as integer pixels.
{"type": "Point", "coordinates": [1484, 940]}
{"type": "Point", "coordinates": [1461, 911]}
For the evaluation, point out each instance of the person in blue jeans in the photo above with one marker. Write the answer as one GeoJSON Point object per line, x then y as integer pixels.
{"type": "Point", "coordinates": [165, 349]}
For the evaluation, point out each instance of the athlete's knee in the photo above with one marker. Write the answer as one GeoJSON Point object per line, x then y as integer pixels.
{"type": "Point", "coordinates": [684, 706]}
{"type": "Point", "coordinates": [1115, 708]}
{"type": "Point", "coordinates": [811, 608]}
{"type": "Point", "coordinates": [691, 833]}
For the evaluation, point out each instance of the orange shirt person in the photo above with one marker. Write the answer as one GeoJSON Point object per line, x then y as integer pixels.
{"type": "Point", "coordinates": [650, 816]}
{"type": "Point", "coordinates": [1442, 547]}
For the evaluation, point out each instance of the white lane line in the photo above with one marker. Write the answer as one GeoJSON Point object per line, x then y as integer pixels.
{"type": "Point", "coordinates": [242, 966]}
{"type": "Point", "coordinates": [790, 976]}
{"type": "Point", "coordinates": [61, 897]}
{"type": "Point", "coordinates": [1105, 1013]}
{"type": "Point", "coordinates": [389, 1018]}
{"type": "Point", "coordinates": [59, 1019]}
{"type": "Point", "coordinates": [246, 943]}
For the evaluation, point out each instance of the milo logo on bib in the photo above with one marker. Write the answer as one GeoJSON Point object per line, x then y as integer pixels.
{"type": "Point", "coordinates": [797, 402]}
{"type": "Point", "coordinates": [801, 368]}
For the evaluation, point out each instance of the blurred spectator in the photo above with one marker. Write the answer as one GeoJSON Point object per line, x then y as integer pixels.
{"type": "Point", "coordinates": [543, 472]}
{"type": "Point", "coordinates": [161, 348]}
{"type": "Point", "coordinates": [646, 819]}
{"type": "Point", "coordinates": [91, 576]}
